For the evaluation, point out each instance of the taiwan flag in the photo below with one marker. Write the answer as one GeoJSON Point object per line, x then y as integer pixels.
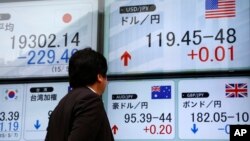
{"type": "Point", "coordinates": [11, 94]}
{"type": "Point", "coordinates": [161, 92]}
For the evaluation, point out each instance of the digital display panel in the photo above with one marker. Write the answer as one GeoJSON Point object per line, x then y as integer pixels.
{"type": "Point", "coordinates": [25, 109]}
{"type": "Point", "coordinates": [177, 109]}
{"type": "Point", "coordinates": [177, 36]}
{"type": "Point", "coordinates": [11, 113]}
{"type": "Point", "coordinates": [39, 37]}
{"type": "Point", "coordinates": [142, 109]}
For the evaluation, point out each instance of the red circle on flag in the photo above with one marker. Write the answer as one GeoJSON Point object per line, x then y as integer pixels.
{"type": "Point", "coordinates": [67, 18]}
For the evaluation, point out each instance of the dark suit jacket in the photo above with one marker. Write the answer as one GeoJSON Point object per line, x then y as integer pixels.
{"type": "Point", "coordinates": [79, 116]}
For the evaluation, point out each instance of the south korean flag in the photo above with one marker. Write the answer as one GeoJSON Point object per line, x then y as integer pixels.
{"type": "Point", "coordinates": [11, 94]}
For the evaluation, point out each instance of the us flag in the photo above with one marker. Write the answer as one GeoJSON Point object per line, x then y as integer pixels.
{"type": "Point", "coordinates": [220, 9]}
{"type": "Point", "coordinates": [236, 90]}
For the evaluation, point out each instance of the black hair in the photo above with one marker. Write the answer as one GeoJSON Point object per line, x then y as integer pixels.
{"type": "Point", "coordinates": [84, 66]}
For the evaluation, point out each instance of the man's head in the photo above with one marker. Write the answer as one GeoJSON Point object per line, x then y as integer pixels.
{"type": "Point", "coordinates": [87, 67]}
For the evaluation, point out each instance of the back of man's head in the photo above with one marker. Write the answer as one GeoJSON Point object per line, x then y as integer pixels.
{"type": "Point", "coordinates": [84, 66]}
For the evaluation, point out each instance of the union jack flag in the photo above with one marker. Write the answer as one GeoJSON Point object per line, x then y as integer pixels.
{"type": "Point", "coordinates": [236, 90]}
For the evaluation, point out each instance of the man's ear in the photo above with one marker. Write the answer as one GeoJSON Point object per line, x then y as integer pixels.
{"type": "Point", "coordinates": [99, 78]}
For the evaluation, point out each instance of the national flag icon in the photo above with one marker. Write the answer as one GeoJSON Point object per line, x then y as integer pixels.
{"type": "Point", "coordinates": [161, 92]}
{"type": "Point", "coordinates": [220, 9]}
{"type": "Point", "coordinates": [68, 17]}
{"type": "Point", "coordinates": [236, 90]}
{"type": "Point", "coordinates": [11, 94]}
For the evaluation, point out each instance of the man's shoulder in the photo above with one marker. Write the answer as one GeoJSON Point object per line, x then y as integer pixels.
{"type": "Point", "coordinates": [83, 92]}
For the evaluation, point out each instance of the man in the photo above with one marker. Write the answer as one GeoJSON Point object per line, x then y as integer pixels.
{"type": "Point", "coordinates": [80, 115]}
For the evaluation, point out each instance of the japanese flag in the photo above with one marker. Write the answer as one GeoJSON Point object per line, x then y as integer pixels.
{"type": "Point", "coordinates": [70, 17]}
